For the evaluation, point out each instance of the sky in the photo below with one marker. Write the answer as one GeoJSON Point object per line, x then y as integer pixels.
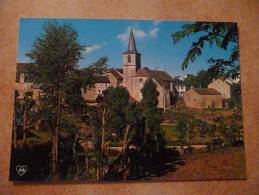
{"type": "Point", "coordinates": [109, 38]}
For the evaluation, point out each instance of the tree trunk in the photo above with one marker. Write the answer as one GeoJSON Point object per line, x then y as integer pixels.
{"type": "Point", "coordinates": [98, 173]}
{"type": "Point", "coordinates": [55, 164]}
{"type": "Point", "coordinates": [14, 131]}
{"type": "Point", "coordinates": [125, 159]}
{"type": "Point", "coordinates": [75, 157]}
{"type": "Point", "coordinates": [100, 167]}
{"type": "Point", "coordinates": [103, 130]}
{"type": "Point", "coordinates": [86, 163]}
{"type": "Point", "coordinates": [24, 127]}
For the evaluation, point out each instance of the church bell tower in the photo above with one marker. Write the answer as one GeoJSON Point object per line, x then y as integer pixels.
{"type": "Point", "coordinates": [131, 63]}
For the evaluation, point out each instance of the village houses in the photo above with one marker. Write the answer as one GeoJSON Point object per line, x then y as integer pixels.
{"type": "Point", "coordinates": [131, 76]}
{"type": "Point", "coordinates": [216, 95]}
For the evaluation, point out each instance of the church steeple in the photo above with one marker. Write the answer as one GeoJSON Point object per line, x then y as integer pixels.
{"type": "Point", "coordinates": [131, 56]}
{"type": "Point", "coordinates": [132, 49]}
{"type": "Point", "coordinates": [131, 63]}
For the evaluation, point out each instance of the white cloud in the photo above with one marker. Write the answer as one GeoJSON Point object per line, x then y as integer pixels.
{"type": "Point", "coordinates": [138, 34]}
{"type": "Point", "coordinates": [156, 22]}
{"type": "Point", "coordinates": [92, 48]}
{"type": "Point", "coordinates": [153, 32]}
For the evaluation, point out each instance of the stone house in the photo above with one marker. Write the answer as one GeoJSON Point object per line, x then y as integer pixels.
{"type": "Point", "coordinates": [24, 82]}
{"type": "Point", "coordinates": [203, 98]}
{"type": "Point", "coordinates": [223, 86]}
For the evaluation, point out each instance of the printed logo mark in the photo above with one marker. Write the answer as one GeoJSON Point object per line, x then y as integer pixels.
{"type": "Point", "coordinates": [21, 169]}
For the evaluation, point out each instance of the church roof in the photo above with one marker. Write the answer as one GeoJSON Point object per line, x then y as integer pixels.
{"type": "Point", "coordinates": [120, 70]}
{"type": "Point", "coordinates": [161, 77]}
{"type": "Point", "coordinates": [116, 74]}
{"type": "Point", "coordinates": [206, 91]}
{"type": "Point", "coordinates": [132, 49]}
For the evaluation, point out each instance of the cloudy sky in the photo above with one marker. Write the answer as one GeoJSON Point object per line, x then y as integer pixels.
{"type": "Point", "coordinates": [110, 37]}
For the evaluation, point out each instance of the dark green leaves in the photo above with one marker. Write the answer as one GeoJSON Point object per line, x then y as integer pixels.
{"type": "Point", "coordinates": [219, 33]}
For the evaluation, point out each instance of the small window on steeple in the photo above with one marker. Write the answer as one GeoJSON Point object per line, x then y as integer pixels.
{"type": "Point", "coordinates": [129, 58]}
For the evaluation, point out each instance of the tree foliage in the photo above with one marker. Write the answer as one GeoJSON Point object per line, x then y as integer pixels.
{"type": "Point", "coordinates": [223, 35]}
{"type": "Point", "coordinates": [153, 136]}
{"type": "Point", "coordinates": [200, 80]}
{"type": "Point", "coordinates": [55, 55]}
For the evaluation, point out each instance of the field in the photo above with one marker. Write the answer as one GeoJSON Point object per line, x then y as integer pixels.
{"type": "Point", "coordinates": [224, 164]}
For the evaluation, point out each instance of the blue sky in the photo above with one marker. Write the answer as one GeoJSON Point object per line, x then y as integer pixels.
{"type": "Point", "coordinates": [109, 38]}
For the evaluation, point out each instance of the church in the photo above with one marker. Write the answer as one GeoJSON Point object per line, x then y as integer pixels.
{"type": "Point", "coordinates": [133, 76]}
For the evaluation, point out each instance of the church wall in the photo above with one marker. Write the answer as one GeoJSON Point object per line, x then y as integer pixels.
{"type": "Point", "coordinates": [128, 73]}
{"type": "Point", "coordinates": [161, 98]}
{"type": "Point", "coordinates": [138, 83]}
{"type": "Point", "coordinates": [114, 81]}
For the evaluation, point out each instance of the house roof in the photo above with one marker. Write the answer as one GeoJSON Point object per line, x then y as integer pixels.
{"type": "Point", "coordinates": [206, 91]}
{"type": "Point", "coordinates": [102, 79]}
{"type": "Point", "coordinates": [115, 73]}
{"type": "Point", "coordinates": [23, 67]}
{"type": "Point", "coordinates": [160, 76]}
{"type": "Point", "coordinates": [120, 70]}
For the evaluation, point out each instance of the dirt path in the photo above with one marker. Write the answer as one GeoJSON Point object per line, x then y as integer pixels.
{"type": "Point", "coordinates": [227, 164]}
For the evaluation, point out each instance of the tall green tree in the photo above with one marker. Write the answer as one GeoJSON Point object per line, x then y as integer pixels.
{"type": "Point", "coordinates": [117, 102]}
{"type": "Point", "coordinates": [182, 132]}
{"type": "Point", "coordinates": [153, 138]}
{"type": "Point", "coordinates": [222, 34]}
{"type": "Point", "coordinates": [55, 53]}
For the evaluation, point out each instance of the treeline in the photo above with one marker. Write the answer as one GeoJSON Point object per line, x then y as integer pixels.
{"type": "Point", "coordinates": [200, 80]}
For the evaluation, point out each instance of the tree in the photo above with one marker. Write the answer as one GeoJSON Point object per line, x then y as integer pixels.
{"type": "Point", "coordinates": [182, 131]}
{"type": "Point", "coordinates": [224, 35]}
{"type": "Point", "coordinates": [55, 55]}
{"type": "Point", "coordinates": [153, 138]}
{"type": "Point", "coordinates": [201, 80]}
{"type": "Point", "coordinates": [117, 102]}
{"type": "Point", "coordinates": [28, 114]}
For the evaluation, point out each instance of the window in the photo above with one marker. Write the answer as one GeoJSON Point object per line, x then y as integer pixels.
{"type": "Point", "coordinates": [22, 78]}
{"type": "Point", "coordinates": [141, 80]}
{"type": "Point", "coordinates": [129, 58]}
{"type": "Point", "coordinates": [106, 85]}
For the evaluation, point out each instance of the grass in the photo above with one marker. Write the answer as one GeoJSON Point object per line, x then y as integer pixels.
{"type": "Point", "coordinates": [171, 136]}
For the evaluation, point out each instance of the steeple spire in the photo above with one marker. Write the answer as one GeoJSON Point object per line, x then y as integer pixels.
{"type": "Point", "coordinates": [132, 45]}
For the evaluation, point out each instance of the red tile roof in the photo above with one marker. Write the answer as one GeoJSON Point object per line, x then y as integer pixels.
{"type": "Point", "coordinates": [206, 91]}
